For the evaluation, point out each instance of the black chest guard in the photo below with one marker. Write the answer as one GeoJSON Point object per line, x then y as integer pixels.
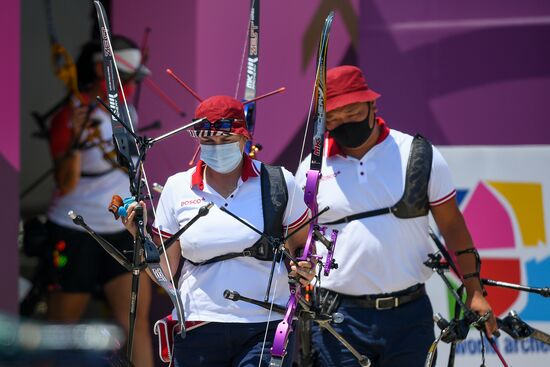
{"type": "Point", "coordinates": [414, 202]}
{"type": "Point", "coordinates": [274, 200]}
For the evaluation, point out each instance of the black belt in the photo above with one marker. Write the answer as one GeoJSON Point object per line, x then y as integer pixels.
{"type": "Point", "coordinates": [388, 301]}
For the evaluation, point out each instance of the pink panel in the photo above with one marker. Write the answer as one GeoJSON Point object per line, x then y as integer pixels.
{"type": "Point", "coordinates": [171, 45]}
{"type": "Point", "coordinates": [9, 94]}
{"type": "Point", "coordinates": [488, 221]}
{"type": "Point", "coordinates": [203, 42]}
{"type": "Point", "coordinates": [487, 99]}
{"type": "Point", "coordinates": [9, 153]}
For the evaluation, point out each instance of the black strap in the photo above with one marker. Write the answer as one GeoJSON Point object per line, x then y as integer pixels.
{"type": "Point", "coordinates": [475, 274]}
{"type": "Point", "coordinates": [216, 259]}
{"type": "Point", "coordinates": [470, 250]}
{"type": "Point", "coordinates": [97, 174]}
{"type": "Point", "coordinates": [274, 201]}
{"type": "Point", "coordinates": [370, 213]}
{"type": "Point", "coordinates": [414, 202]}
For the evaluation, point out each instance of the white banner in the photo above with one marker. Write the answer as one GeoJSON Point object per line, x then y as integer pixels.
{"type": "Point", "coordinates": [504, 194]}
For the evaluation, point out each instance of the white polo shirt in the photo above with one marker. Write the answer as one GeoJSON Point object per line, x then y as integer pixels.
{"type": "Point", "coordinates": [202, 287]}
{"type": "Point", "coordinates": [384, 253]}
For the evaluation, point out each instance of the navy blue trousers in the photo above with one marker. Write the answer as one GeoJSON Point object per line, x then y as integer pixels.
{"type": "Point", "coordinates": [390, 338]}
{"type": "Point", "coordinates": [228, 345]}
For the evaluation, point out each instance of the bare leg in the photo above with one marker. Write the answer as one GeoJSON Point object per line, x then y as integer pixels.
{"type": "Point", "coordinates": [117, 292]}
{"type": "Point", "coordinates": [67, 307]}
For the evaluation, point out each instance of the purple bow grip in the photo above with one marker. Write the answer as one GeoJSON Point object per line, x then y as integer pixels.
{"type": "Point", "coordinates": [285, 326]}
{"type": "Point", "coordinates": [310, 193]}
{"type": "Point", "coordinates": [330, 253]}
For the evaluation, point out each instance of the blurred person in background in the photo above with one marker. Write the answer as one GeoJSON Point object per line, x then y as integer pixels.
{"type": "Point", "coordinates": [86, 174]}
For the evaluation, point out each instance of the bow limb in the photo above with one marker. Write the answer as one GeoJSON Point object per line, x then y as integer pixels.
{"type": "Point", "coordinates": [282, 334]}
{"type": "Point", "coordinates": [136, 172]}
{"type": "Point", "coordinates": [253, 38]}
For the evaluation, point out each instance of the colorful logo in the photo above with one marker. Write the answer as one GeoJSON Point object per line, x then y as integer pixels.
{"type": "Point", "coordinates": [506, 221]}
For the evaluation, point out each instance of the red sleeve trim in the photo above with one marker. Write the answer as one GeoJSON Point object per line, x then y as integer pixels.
{"type": "Point", "coordinates": [303, 218]}
{"type": "Point", "coordinates": [444, 199]}
{"type": "Point", "coordinates": [160, 233]}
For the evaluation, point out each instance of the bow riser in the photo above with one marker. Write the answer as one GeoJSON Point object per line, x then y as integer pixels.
{"type": "Point", "coordinates": [122, 141]}
{"type": "Point", "coordinates": [310, 192]}
{"type": "Point", "coordinates": [278, 351]}
{"type": "Point", "coordinates": [284, 328]}
{"type": "Point", "coordinates": [120, 136]}
{"type": "Point", "coordinates": [253, 50]}
{"type": "Point", "coordinates": [252, 71]}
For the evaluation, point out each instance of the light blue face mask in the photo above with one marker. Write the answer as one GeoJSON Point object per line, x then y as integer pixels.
{"type": "Point", "coordinates": [222, 158]}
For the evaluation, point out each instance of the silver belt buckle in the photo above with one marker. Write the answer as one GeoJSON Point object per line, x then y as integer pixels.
{"type": "Point", "coordinates": [385, 299]}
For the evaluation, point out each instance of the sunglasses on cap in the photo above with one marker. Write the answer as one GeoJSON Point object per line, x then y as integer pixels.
{"type": "Point", "coordinates": [220, 127]}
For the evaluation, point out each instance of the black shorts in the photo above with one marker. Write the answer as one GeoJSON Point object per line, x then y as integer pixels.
{"type": "Point", "coordinates": [79, 264]}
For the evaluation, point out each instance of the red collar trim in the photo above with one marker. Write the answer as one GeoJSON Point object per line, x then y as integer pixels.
{"type": "Point", "coordinates": [333, 148]}
{"type": "Point", "coordinates": [249, 170]}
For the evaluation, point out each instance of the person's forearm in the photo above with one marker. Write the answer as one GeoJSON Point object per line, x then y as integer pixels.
{"type": "Point", "coordinates": [296, 243]}
{"type": "Point", "coordinates": [67, 172]}
{"type": "Point", "coordinates": [164, 268]}
{"type": "Point", "coordinates": [173, 255]}
{"type": "Point", "coordinates": [457, 238]}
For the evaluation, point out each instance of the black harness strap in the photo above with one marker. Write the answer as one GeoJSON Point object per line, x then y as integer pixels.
{"type": "Point", "coordinates": [274, 200]}
{"type": "Point", "coordinates": [370, 213]}
{"type": "Point", "coordinates": [414, 202]}
{"type": "Point", "coordinates": [97, 174]}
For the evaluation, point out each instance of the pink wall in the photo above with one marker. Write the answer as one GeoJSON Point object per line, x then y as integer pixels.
{"type": "Point", "coordinates": [461, 73]}
{"type": "Point", "coordinates": [9, 154]}
{"type": "Point", "coordinates": [9, 94]}
{"type": "Point", "coordinates": [171, 45]}
{"type": "Point", "coordinates": [283, 26]}
{"type": "Point", "coordinates": [203, 42]}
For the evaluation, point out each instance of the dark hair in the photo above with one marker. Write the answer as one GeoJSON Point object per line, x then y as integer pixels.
{"type": "Point", "coordinates": [85, 64]}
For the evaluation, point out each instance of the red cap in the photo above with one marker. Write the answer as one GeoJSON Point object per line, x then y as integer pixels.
{"type": "Point", "coordinates": [347, 85]}
{"type": "Point", "coordinates": [223, 107]}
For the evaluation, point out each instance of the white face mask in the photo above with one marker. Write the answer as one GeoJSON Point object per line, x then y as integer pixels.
{"type": "Point", "coordinates": [222, 158]}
